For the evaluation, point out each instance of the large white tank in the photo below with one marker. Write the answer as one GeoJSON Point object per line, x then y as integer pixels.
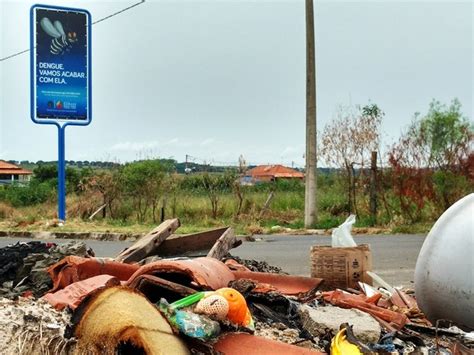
{"type": "Point", "coordinates": [444, 273]}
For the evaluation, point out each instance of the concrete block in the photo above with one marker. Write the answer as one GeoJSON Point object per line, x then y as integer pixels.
{"type": "Point", "coordinates": [318, 320]}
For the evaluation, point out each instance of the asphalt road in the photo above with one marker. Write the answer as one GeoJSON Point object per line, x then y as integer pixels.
{"type": "Point", "coordinates": [393, 256]}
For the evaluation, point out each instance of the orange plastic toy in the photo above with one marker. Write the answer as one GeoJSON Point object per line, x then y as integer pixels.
{"type": "Point", "coordinates": [238, 310]}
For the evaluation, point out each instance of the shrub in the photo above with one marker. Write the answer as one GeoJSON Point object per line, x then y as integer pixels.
{"type": "Point", "coordinates": [6, 211]}
{"type": "Point", "coordinates": [27, 195]}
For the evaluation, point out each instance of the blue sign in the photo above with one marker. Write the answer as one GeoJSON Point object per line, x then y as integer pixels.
{"type": "Point", "coordinates": [60, 65]}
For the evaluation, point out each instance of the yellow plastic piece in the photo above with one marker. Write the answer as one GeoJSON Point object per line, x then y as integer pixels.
{"type": "Point", "coordinates": [340, 346]}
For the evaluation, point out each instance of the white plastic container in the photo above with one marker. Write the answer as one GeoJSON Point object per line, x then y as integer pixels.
{"type": "Point", "coordinates": [444, 273]}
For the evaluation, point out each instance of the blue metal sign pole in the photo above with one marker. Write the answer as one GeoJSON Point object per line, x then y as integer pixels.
{"type": "Point", "coordinates": [61, 173]}
{"type": "Point", "coordinates": [60, 65]}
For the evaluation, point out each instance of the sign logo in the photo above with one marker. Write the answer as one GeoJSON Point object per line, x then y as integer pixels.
{"type": "Point", "coordinates": [60, 65]}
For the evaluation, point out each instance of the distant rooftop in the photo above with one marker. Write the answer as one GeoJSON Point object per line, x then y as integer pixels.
{"type": "Point", "coordinates": [12, 169]}
{"type": "Point", "coordinates": [275, 171]}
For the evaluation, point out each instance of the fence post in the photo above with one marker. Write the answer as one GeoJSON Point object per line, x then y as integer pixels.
{"type": "Point", "coordinates": [373, 188]}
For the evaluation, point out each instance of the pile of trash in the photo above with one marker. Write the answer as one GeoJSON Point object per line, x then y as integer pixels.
{"type": "Point", "coordinates": [23, 266]}
{"type": "Point", "coordinates": [170, 294]}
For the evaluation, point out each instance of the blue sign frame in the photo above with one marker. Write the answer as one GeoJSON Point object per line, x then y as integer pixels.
{"type": "Point", "coordinates": [59, 45]}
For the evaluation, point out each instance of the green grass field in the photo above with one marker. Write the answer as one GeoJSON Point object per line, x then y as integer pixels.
{"type": "Point", "coordinates": [286, 210]}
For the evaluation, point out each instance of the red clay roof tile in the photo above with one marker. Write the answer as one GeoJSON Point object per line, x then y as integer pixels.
{"type": "Point", "coordinates": [278, 171]}
{"type": "Point", "coordinates": [7, 168]}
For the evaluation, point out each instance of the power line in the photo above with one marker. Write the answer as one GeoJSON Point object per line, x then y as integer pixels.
{"type": "Point", "coordinates": [93, 23]}
{"type": "Point", "coordinates": [118, 12]}
{"type": "Point", "coordinates": [190, 159]}
{"type": "Point", "coordinates": [14, 55]}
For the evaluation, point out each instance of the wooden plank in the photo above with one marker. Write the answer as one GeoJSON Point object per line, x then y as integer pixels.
{"type": "Point", "coordinates": [267, 204]}
{"type": "Point", "coordinates": [97, 211]}
{"type": "Point", "coordinates": [147, 245]}
{"type": "Point", "coordinates": [195, 244]}
{"type": "Point", "coordinates": [226, 242]}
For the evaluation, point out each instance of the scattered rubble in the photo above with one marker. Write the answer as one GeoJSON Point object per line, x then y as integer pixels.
{"type": "Point", "coordinates": [23, 266]}
{"type": "Point", "coordinates": [255, 265]}
{"type": "Point", "coordinates": [29, 326]}
{"type": "Point", "coordinates": [150, 299]}
{"type": "Point", "coordinates": [280, 332]}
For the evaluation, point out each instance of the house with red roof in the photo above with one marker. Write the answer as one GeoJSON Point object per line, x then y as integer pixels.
{"type": "Point", "coordinates": [10, 173]}
{"type": "Point", "coordinates": [264, 173]}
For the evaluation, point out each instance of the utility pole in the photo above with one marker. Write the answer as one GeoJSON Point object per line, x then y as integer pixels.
{"type": "Point", "coordinates": [310, 213]}
{"type": "Point", "coordinates": [373, 188]}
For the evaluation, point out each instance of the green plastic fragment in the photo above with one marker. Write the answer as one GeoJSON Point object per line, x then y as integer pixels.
{"type": "Point", "coordinates": [187, 301]}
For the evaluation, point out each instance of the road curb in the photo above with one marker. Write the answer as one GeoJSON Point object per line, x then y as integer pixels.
{"type": "Point", "coordinates": [42, 235]}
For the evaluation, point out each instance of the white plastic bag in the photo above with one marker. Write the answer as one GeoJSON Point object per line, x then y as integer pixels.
{"type": "Point", "coordinates": [341, 236]}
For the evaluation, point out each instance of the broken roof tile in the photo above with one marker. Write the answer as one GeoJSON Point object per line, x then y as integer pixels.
{"type": "Point", "coordinates": [243, 343]}
{"type": "Point", "coordinates": [208, 273]}
{"type": "Point", "coordinates": [286, 284]}
{"type": "Point", "coordinates": [74, 268]}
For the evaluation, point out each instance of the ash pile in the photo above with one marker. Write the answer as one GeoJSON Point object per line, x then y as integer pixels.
{"type": "Point", "coordinates": [171, 294]}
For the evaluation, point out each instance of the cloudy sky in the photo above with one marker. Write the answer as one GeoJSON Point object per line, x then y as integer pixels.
{"type": "Point", "coordinates": [218, 78]}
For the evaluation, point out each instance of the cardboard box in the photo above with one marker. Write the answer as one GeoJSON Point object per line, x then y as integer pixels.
{"type": "Point", "coordinates": [341, 267]}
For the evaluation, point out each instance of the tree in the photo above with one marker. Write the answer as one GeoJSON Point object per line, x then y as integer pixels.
{"type": "Point", "coordinates": [49, 173]}
{"type": "Point", "coordinates": [107, 184]}
{"type": "Point", "coordinates": [171, 186]}
{"type": "Point", "coordinates": [348, 141]}
{"type": "Point", "coordinates": [214, 185]}
{"type": "Point", "coordinates": [143, 182]}
{"type": "Point", "coordinates": [412, 181]}
{"type": "Point", "coordinates": [437, 146]}
{"type": "Point", "coordinates": [238, 189]}
{"type": "Point", "coordinates": [446, 134]}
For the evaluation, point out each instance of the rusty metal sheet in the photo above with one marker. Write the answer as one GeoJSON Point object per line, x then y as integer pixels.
{"type": "Point", "coordinates": [207, 273]}
{"type": "Point", "coordinates": [196, 244]}
{"type": "Point", "coordinates": [286, 284]}
{"type": "Point", "coordinates": [243, 343]}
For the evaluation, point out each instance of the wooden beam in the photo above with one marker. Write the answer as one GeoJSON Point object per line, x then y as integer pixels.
{"type": "Point", "coordinates": [196, 244]}
{"type": "Point", "coordinates": [226, 242]}
{"type": "Point", "coordinates": [147, 245]}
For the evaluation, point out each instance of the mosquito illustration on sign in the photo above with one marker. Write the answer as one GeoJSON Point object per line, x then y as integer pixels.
{"type": "Point", "coordinates": [61, 41]}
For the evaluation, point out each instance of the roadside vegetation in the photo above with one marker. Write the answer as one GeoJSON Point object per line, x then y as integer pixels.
{"type": "Point", "coordinates": [412, 182]}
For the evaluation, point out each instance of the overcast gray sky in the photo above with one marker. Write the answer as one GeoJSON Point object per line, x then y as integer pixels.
{"type": "Point", "coordinates": [216, 79]}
